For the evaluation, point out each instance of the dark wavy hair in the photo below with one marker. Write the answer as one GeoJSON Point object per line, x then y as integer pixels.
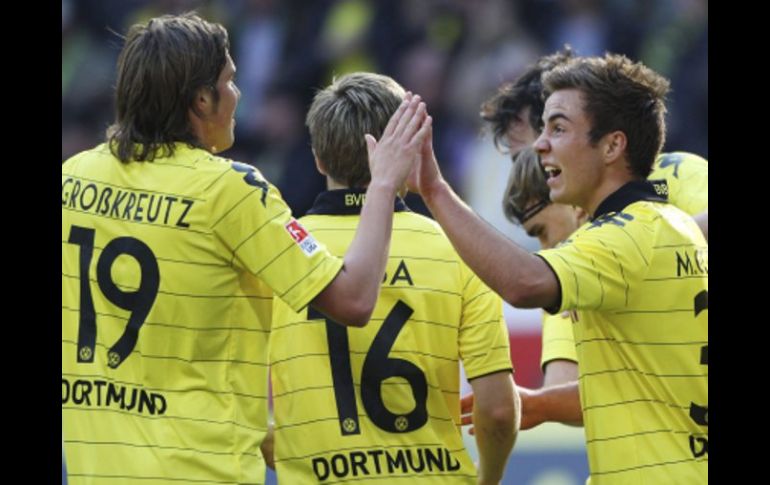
{"type": "Point", "coordinates": [511, 99]}
{"type": "Point", "coordinates": [162, 66]}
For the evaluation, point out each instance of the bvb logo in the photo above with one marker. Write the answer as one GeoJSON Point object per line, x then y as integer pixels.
{"type": "Point", "coordinates": [349, 425]}
{"type": "Point", "coordinates": [114, 359]}
{"type": "Point", "coordinates": [402, 423]}
{"type": "Point", "coordinates": [85, 353]}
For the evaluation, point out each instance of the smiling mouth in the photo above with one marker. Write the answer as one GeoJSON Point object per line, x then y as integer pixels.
{"type": "Point", "coordinates": [552, 172]}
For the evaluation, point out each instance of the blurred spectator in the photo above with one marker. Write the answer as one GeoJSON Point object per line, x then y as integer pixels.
{"type": "Point", "coordinates": [454, 53]}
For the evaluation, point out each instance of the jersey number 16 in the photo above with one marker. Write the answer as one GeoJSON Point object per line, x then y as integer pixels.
{"type": "Point", "coordinates": [377, 368]}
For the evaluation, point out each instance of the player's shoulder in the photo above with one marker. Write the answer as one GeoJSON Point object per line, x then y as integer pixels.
{"type": "Point", "coordinates": [231, 177]}
{"type": "Point", "coordinates": [205, 162]}
{"type": "Point", "coordinates": [416, 221]}
{"type": "Point", "coordinates": [422, 228]}
{"type": "Point", "coordinates": [617, 228]}
{"type": "Point", "coordinates": [676, 162]}
{"type": "Point", "coordinates": [659, 221]}
{"type": "Point", "coordinates": [86, 156]}
{"type": "Point", "coordinates": [422, 236]}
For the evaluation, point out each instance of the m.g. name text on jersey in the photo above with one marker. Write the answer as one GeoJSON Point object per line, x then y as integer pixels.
{"type": "Point", "coordinates": [404, 461]}
{"type": "Point", "coordinates": [132, 205]}
{"type": "Point", "coordinates": [100, 393]}
{"type": "Point", "coordinates": [692, 262]}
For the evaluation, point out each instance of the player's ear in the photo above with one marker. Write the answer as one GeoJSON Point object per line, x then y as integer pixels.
{"type": "Point", "coordinates": [614, 145]}
{"type": "Point", "coordinates": [203, 102]}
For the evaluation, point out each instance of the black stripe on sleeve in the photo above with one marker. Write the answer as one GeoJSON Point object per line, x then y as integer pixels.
{"type": "Point", "coordinates": [498, 371]}
{"type": "Point", "coordinates": [554, 309]}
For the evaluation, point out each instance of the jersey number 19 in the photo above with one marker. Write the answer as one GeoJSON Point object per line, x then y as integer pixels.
{"type": "Point", "coordinates": [138, 302]}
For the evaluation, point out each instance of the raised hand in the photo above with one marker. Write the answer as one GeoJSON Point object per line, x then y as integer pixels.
{"type": "Point", "coordinates": [426, 173]}
{"type": "Point", "coordinates": [398, 150]}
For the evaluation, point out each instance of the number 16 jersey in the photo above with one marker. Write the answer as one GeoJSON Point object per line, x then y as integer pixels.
{"type": "Point", "coordinates": [380, 404]}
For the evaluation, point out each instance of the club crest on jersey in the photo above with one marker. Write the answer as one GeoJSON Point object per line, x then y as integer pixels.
{"type": "Point", "coordinates": [304, 240]}
{"type": "Point", "coordinates": [616, 218]}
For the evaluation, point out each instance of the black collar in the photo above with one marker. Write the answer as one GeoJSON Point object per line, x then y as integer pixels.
{"type": "Point", "coordinates": [636, 190]}
{"type": "Point", "coordinates": [345, 202]}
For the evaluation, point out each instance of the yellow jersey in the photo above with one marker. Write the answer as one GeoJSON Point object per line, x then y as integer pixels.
{"type": "Point", "coordinates": [381, 403]}
{"type": "Point", "coordinates": [636, 278]}
{"type": "Point", "coordinates": [558, 341]}
{"type": "Point", "coordinates": [687, 180]}
{"type": "Point", "coordinates": [169, 269]}
{"type": "Point", "coordinates": [686, 176]}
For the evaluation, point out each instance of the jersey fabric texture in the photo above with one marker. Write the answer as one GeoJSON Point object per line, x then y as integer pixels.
{"type": "Point", "coordinates": [686, 177]}
{"type": "Point", "coordinates": [380, 403]}
{"type": "Point", "coordinates": [168, 274]}
{"type": "Point", "coordinates": [558, 340]}
{"type": "Point", "coordinates": [637, 276]}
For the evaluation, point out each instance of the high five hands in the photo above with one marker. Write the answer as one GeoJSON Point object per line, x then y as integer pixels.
{"type": "Point", "coordinates": [398, 151]}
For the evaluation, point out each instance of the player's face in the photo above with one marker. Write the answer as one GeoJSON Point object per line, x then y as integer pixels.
{"type": "Point", "coordinates": [573, 166]}
{"type": "Point", "coordinates": [520, 133]}
{"type": "Point", "coordinates": [221, 122]}
{"type": "Point", "coordinates": [553, 224]}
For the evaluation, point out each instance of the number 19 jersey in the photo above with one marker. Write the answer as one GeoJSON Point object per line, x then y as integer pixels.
{"type": "Point", "coordinates": [380, 404]}
{"type": "Point", "coordinates": [168, 274]}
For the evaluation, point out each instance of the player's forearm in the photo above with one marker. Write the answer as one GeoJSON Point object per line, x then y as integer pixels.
{"type": "Point", "coordinates": [365, 259]}
{"type": "Point", "coordinates": [559, 404]}
{"type": "Point", "coordinates": [496, 423]}
{"type": "Point", "coordinates": [522, 279]}
{"type": "Point", "coordinates": [494, 439]}
{"type": "Point", "coordinates": [559, 371]}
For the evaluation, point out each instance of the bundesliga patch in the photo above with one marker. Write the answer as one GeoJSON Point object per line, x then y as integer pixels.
{"type": "Point", "coordinates": [300, 235]}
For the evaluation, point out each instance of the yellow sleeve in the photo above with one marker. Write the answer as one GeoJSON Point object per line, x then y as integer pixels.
{"type": "Point", "coordinates": [603, 259]}
{"type": "Point", "coordinates": [256, 226]}
{"type": "Point", "coordinates": [484, 345]}
{"type": "Point", "coordinates": [558, 339]}
{"type": "Point", "coordinates": [687, 177]}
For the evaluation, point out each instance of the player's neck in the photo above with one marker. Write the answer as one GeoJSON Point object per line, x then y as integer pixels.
{"type": "Point", "coordinates": [332, 184]}
{"type": "Point", "coordinates": [612, 179]}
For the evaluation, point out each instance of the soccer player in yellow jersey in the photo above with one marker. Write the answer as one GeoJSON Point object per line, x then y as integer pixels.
{"type": "Point", "coordinates": [527, 203]}
{"type": "Point", "coordinates": [381, 403]}
{"type": "Point", "coordinates": [171, 256]}
{"type": "Point", "coordinates": [513, 115]}
{"type": "Point", "coordinates": [635, 277]}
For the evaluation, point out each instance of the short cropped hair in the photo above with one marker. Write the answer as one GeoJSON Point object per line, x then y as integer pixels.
{"type": "Point", "coordinates": [619, 95]}
{"type": "Point", "coordinates": [340, 116]}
